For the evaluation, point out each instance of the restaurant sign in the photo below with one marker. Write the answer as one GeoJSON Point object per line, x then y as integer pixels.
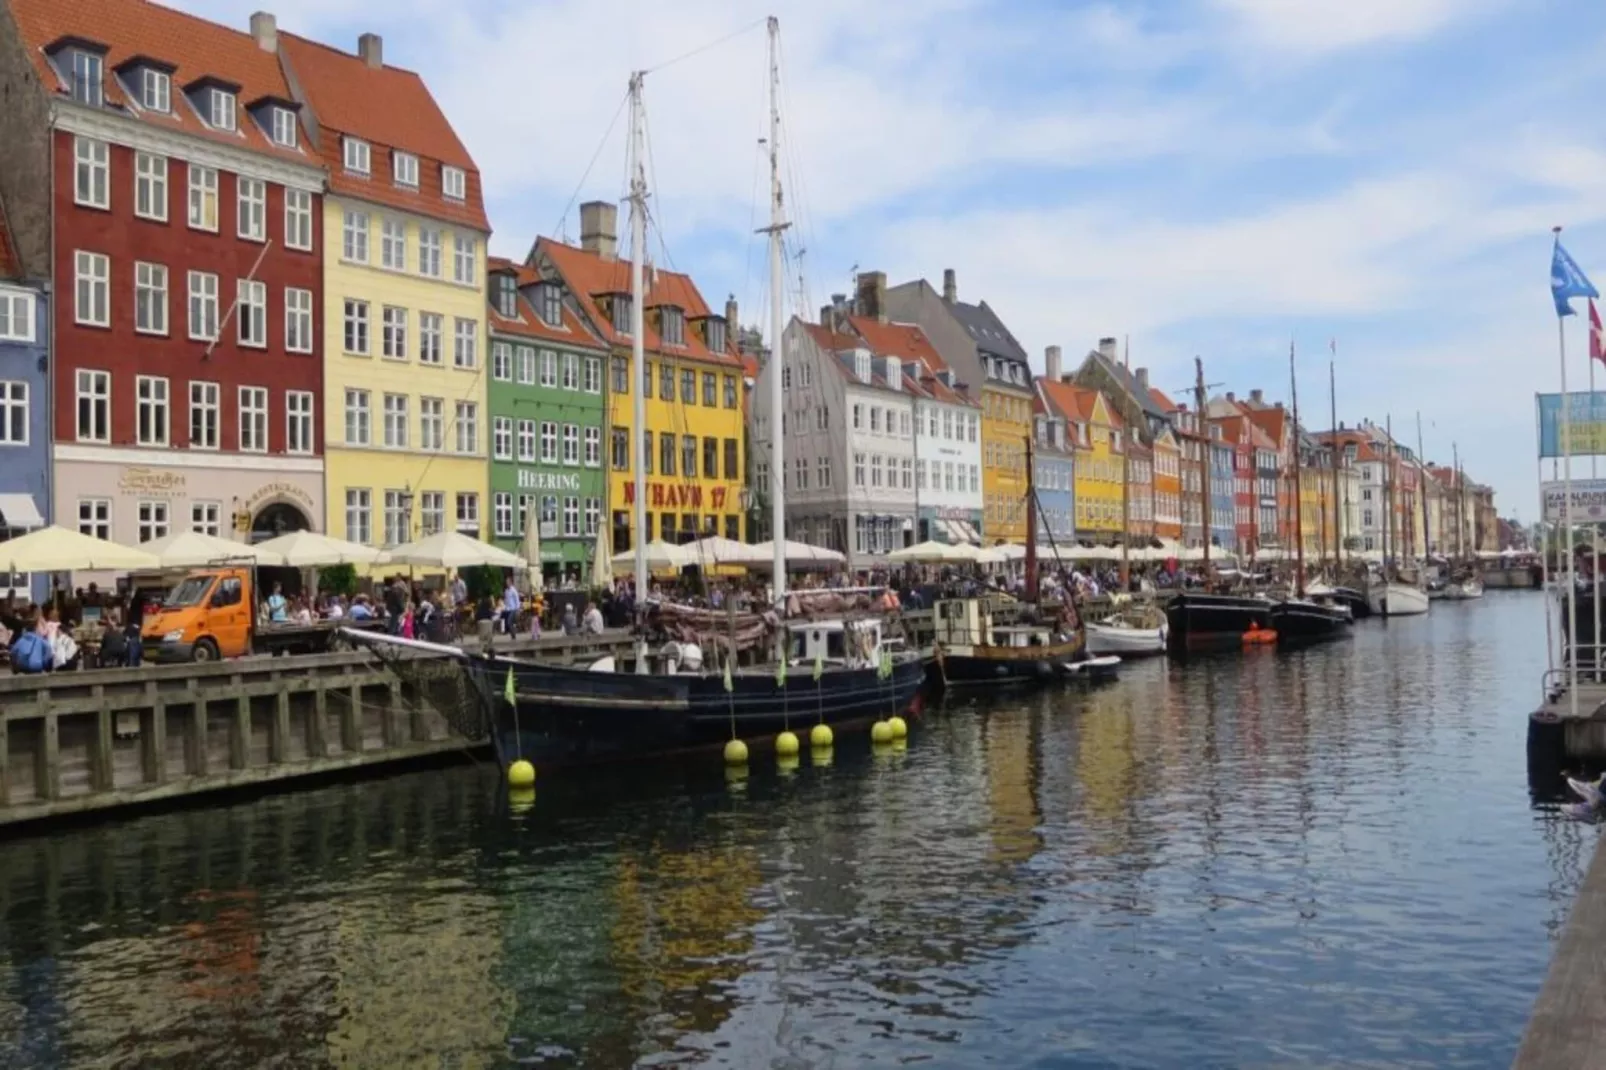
{"type": "Point", "coordinates": [1588, 500]}
{"type": "Point", "coordinates": [149, 482]}
{"type": "Point", "coordinates": [1586, 417]}
{"type": "Point", "coordinates": [678, 496]}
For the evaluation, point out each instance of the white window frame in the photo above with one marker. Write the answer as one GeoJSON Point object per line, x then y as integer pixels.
{"type": "Point", "coordinates": [395, 420]}
{"type": "Point", "coordinates": [155, 90]}
{"type": "Point", "coordinates": [298, 426]}
{"type": "Point", "coordinates": [432, 425]}
{"type": "Point", "coordinates": [221, 110]}
{"type": "Point", "coordinates": [526, 366]}
{"type": "Point", "coordinates": [463, 248]}
{"type": "Point", "coordinates": [526, 446]}
{"type": "Point", "coordinates": [393, 332]}
{"type": "Point", "coordinates": [356, 331]}
{"type": "Point", "coordinates": [298, 219]}
{"type": "Point", "coordinates": [404, 169]}
{"type": "Point", "coordinates": [13, 412]}
{"type": "Point", "coordinates": [359, 417]}
{"type": "Point", "coordinates": [17, 315]}
{"type": "Point", "coordinates": [454, 183]}
{"type": "Point", "coordinates": [95, 518]}
{"type": "Point", "coordinates": [206, 402]}
{"type": "Point", "coordinates": [431, 343]}
{"type": "Point", "coordinates": [251, 317]}
{"type": "Point", "coordinates": [467, 421]}
{"type": "Point", "coordinates": [356, 155]}
{"type": "Point", "coordinates": [549, 442]}
{"type": "Point", "coordinates": [392, 243]}
{"type": "Point", "coordinates": [253, 414]}
{"type": "Point", "coordinates": [150, 186]}
{"type": "Point", "coordinates": [359, 515]}
{"type": "Point", "coordinates": [202, 288]}
{"type": "Point", "coordinates": [502, 514]}
{"type": "Point", "coordinates": [432, 512]}
{"type": "Point", "coordinates": [283, 127]}
{"type": "Point", "coordinates": [202, 185]}
{"type": "Point", "coordinates": [297, 320]}
{"type": "Point", "coordinates": [502, 362]}
{"type": "Point", "coordinates": [571, 444]}
{"type": "Point", "coordinates": [154, 517]}
{"type": "Point", "coordinates": [468, 511]}
{"type": "Point", "coordinates": [150, 296]}
{"type": "Point", "coordinates": [206, 518]}
{"type": "Point", "coordinates": [355, 228]}
{"type": "Point", "coordinates": [92, 287]}
{"type": "Point", "coordinates": [593, 447]}
{"type": "Point", "coordinates": [502, 438]}
{"type": "Point", "coordinates": [431, 241]}
{"type": "Point", "coordinates": [153, 411]}
{"type": "Point", "coordinates": [251, 208]}
{"type": "Point", "coordinates": [465, 344]}
{"type": "Point", "coordinates": [92, 173]}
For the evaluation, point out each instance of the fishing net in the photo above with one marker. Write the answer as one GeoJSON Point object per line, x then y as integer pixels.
{"type": "Point", "coordinates": [442, 683]}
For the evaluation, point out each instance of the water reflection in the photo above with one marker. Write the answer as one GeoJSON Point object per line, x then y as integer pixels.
{"type": "Point", "coordinates": [1322, 857]}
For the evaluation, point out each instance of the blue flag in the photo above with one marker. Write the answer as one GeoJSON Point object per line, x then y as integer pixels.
{"type": "Point", "coordinates": [1567, 281]}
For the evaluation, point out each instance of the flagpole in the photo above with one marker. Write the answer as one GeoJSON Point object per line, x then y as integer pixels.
{"type": "Point", "coordinates": [1544, 537]}
{"type": "Point", "coordinates": [1567, 507]}
{"type": "Point", "coordinates": [1594, 529]}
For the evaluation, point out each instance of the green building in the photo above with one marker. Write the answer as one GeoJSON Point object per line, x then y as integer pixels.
{"type": "Point", "coordinates": [545, 398]}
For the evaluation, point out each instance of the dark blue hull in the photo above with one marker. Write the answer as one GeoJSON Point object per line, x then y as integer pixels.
{"type": "Point", "coordinates": [569, 716]}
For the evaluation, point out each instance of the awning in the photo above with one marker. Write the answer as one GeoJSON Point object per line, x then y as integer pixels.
{"type": "Point", "coordinates": [18, 511]}
{"type": "Point", "coordinates": [970, 533]}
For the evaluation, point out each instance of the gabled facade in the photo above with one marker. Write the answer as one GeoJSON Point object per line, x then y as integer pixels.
{"type": "Point", "coordinates": [1054, 473]}
{"type": "Point", "coordinates": [1223, 499]}
{"type": "Point", "coordinates": [24, 411]}
{"type": "Point", "coordinates": [1097, 439]}
{"type": "Point", "coordinates": [1140, 490]}
{"type": "Point", "coordinates": [1167, 485]}
{"type": "Point", "coordinates": [158, 171]}
{"type": "Point", "coordinates": [1126, 390]}
{"type": "Point", "coordinates": [403, 232]}
{"type": "Point", "coordinates": [982, 351]}
{"type": "Point", "coordinates": [693, 443]}
{"type": "Point", "coordinates": [545, 398]}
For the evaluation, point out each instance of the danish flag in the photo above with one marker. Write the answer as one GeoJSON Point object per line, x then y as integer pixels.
{"type": "Point", "coordinates": [1597, 344]}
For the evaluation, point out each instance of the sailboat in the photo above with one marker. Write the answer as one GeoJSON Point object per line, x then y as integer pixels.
{"type": "Point", "coordinates": [1391, 598]}
{"type": "Point", "coordinates": [836, 671]}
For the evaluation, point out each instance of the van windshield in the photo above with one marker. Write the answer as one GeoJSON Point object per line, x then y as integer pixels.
{"type": "Point", "coordinates": [189, 592]}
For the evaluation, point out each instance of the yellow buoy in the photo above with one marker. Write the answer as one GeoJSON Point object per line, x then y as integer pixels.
{"type": "Point", "coordinates": [899, 746]}
{"type": "Point", "coordinates": [520, 799]}
{"type": "Point", "coordinates": [900, 727]}
{"type": "Point", "coordinates": [787, 764]}
{"type": "Point", "coordinates": [786, 745]}
{"type": "Point", "coordinates": [820, 735]}
{"type": "Point", "coordinates": [521, 774]}
{"type": "Point", "coordinates": [736, 752]}
{"type": "Point", "coordinates": [820, 756]}
{"type": "Point", "coordinates": [881, 732]}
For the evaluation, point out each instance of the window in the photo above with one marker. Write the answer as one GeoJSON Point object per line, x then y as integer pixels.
{"type": "Point", "coordinates": [732, 469]}
{"type": "Point", "coordinates": [404, 168]}
{"type": "Point", "coordinates": [571, 517]}
{"type": "Point", "coordinates": [152, 521]}
{"type": "Point", "coordinates": [395, 517]}
{"type": "Point", "coordinates": [467, 427]}
{"type": "Point", "coordinates": [356, 337]}
{"type": "Point", "coordinates": [393, 332]}
{"type": "Point", "coordinates": [672, 324]}
{"type": "Point", "coordinates": [875, 421]}
{"type": "Point", "coordinates": [549, 442]}
{"type": "Point", "coordinates": [571, 371]}
{"type": "Point", "coordinates": [688, 386]}
{"type": "Point", "coordinates": [666, 381]}
{"type": "Point", "coordinates": [593, 447]}
{"type": "Point", "coordinates": [571, 444]}
{"type": "Point", "coordinates": [284, 127]}
{"type": "Point", "coordinates": [527, 440]}
{"type": "Point", "coordinates": [150, 405]}
{"type": "Point", "coordinates": [501, 362]}
{"type": "Point", "coordinates": [150, 186]}
{"type": "Point", "coordinates": [822, 471]}
{"type": "Point", "coordinates": [549, 514]}
{"type": "Point", "coordinates": [297, 320]}
{"type": "Point", "coordinates": [858, 469]}
{"type": "Point", "coordinates": [393, 244]}
{"type": "Point", "coordinates": [13, 413]}
{"type": "Point", "coordinates": [203, 198]}
{"type": "Point", "coordinates": [429, 252]}
{"type": "Point", "coordinates": [730, 391]}
{"type": "Point", "coordinates": [95, 518]}
{"type": "Point", "coordinates": [552, 304]}
{"type": "Point", "coordinates": [150, 298]}
{"type": "Point", "coordinates": [432, 424]}
{"type": "Point", "coordinates": [688, 456]}
{"type": "Point", "coordinates": [253, 419]}
{"type": "Point", "coordinates": [93, 299]}
{"type": "Point", "coordinates": [453, 183]}
{"type": "Point", "coordinates": [203, 306]}
{"type": "Point", "coordinates": [92, 187]}
{"type": "Point", "coordinates": [298, 421]}
{"type": "Point", "coordinates": [355, 153]}
{"type": "Point", "coordinates": [429, 337]}
{"type": "Point", "coordinates": [432, 512]}
{"type": "Point", "coordinates": [203, 416]}
{"type": "Point", "coordinates": [593, 382]}
{"type": "Point", "coordinates": [354, 237]}
{"type": "Point", "coordinates": [710, 458]}
{"type": "Point", "coordinates": [357, 417]}
{"type": "Point", "coordinates": [298, 219]}
{"type": "Point", "coordinates": [858, 417]}
{"type": "Point", "coordinates": [801, 473]}
{"type": "Point", "coordinates": [908, 474]}
{"type": "Point", "coordinates": [666, 453]}
{"type": "Point", "coordinates": [252, 208]}
{"type": "Point", "coordinates": [715, 330]}
{"type": "Point", "coordinates": [646, 453]}
{"type": "Point", "coordinates": [16, 316]}
{"type": "Point", "coordinates": [620, 376]}
{"type": "Point", "coordinates": [623, 321]}
{"type": "Point", "coordinates": [206, 518]}
{"type": "Point", "coordinates": [549, 368]}
{"type": "Point", "coordinates": [465, 342]}
{"type": "Point", "coordinates": [502, 438]}
{"type": "Point", "coordinates": [86, 78]}
{"type": "Point", "coordinates": [220, 109]}
{"type": "Point", "coordinates": [710, 389]}
{"type": "Point", "coordinates": [468, 512]}
{"type": "Point", "coordinates": [646, 379]}
{"type": "Point", "coordinates": [526, 365]}
{"type": "Point", "coordinates": [619, 449]}
{"type": "Point", "coordinates": [253, 313]}
{"type": "Point", "coordinates": [502, 514]}
{"type": "Point", "coordinates": [359, 519]}
{"type": "Point", "coordinates": [396, 420]}
{"type": "Point", "coordinates": [593, 515]}
{"type": "Point", "coordinates": [463, 259]}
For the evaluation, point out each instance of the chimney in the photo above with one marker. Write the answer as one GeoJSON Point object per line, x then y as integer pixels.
{"type": "Point", "coordinates": [1257, 396]}
{"type": "Point", "coordinates": [371, 47]}
{"type": "Point", "coordinates": [599, 229]}
{"type": "Point", "coordinates": [950, 286]}
{"type": "Point", "coordinates": [1230, 397]}
{"type": "Point", "coordinates": [1107, 348]}
{"type": "Point", "coordinates": [265, 31]}
{"type": "Point", "coordinates": [871, 297]}
{"type": "Point", "coordinates": [1051, 363]}
{"type": "Point", "coordinates": [827, 317]}
{"type": "Point", "coordinates": [1142, 376]}
{"type": "Point", "coordinates": [730, 313]}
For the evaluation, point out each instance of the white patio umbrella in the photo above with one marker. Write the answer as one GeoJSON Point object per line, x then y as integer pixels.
{"type": "Point", "coordinates": [192, 549]}
{"type": "Point", "coordinates": [660, 555]}
{"type": "Point", "coordinates": [452, 549]}
{"type": "Point", "coordinates": [1013, 551]}
{"type": "Point", "coordinates": [309, 549]}
{"type": "Point", "coordinates": [718, 550]}
{"type": "Point", "coordinates": [995, 555]}
{"type": "Point", "coordinates": [601, 559]}
{"type": "Point", "coordinates": [802, 553]}
{"type": "Point", "coordinates": [931, 551]}
{"type": "Point", "coordinates": [58, 549]}
{"type": "Point", "coordinates": [531, 547]}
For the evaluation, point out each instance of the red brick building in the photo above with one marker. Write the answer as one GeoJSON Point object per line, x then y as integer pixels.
{"type": "Point", "coordinates": [179, 217]}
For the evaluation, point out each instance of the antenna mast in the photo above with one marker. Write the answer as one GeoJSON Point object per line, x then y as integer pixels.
{"type": "Point", "coordinates": [777, 358]}
{"type": "Point", "coordinates": [638, 356]}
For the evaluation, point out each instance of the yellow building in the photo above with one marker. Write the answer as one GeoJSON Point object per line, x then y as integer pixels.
{"type": "Point", "coordinates": [404, 237]}
{"type": "Point", "coordinates": [1006, 423]}
{"type": "Point", "coordinates": [693, 441]}
{"type": "Point", "coordinates": [1099, 440]}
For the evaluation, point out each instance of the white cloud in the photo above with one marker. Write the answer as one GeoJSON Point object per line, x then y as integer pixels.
{"type": "Point", "coordinates": [1310, 27]}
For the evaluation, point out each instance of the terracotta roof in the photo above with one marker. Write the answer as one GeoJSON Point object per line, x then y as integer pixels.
{"type": "Point", "coordinates": [1162, 400]}
{"type": "Point", "coordinates": [590, 276]}
{"type": "Point", "coordinates": [10, 265]}
{"type": "Point", "coordinates": [1073, 402]}
{"type": "Point", "coordinates": [909, 344]}
{"type": "Point", "coordinates": [390, 108]}
{"type": "Point", "coordinates": [749, 366]}
{"type": "Point", "coordinates": [1234, 429]}
{"type": "Point", "coordinates": [528, 323]}
{"type": "Point", "coordinates": [195, 47]}
{"type": "Point", "coordinates": [1273, 420]}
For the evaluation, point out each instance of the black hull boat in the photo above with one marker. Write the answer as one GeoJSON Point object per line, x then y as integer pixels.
{"type": "Point", "coordinates": [1356, 601]}
{"type": "Point", "coordinates": [970, 648]}
{"type": "Point", "coordinates": [1197, 623]}
{"type": "Point", "coordinates": [969, 665]}
{"type": "Point", "coordinates": [1298, 622]}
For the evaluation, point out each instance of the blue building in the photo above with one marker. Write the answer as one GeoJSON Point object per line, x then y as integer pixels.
{"type": "Point", "coordinates": [1054, 479]}
{"type": "Point", "coordinates": [24, 409]}
{"type": "Point", "coordinates": [1223, 513]}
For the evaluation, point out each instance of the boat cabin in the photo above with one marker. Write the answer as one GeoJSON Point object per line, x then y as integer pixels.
{"type": "Point", "coordinates": [854, 643]}
{"type": "Point", "coordinates": [968, 622]}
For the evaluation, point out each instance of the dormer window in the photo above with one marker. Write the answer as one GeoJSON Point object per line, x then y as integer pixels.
{"type": "Point", "coordinates": [505, 295]}
{"type": "Point", "coordinates": [454, 183]}
{"type": "Point", "coordinates": [220, 109]}
{"type": "Point", "coordinates": [551, 304]}
{"type": "Point", "coordinates": [715, 330]}
{"type": "Point", "coordinates": [355, 155]}
{"type": "Point", "coordinates": [86, 78]}
{"type": "Point", "coordinates": [672, 325]}
{"type": "Point", "coordinates": [621, 313]}
{"type": "Point", "coordinates": [284, 127]}
{"type": "Point", "coordinates": [404, 168]}
{"type": "Point", "coordinates": [861, 365]}
{"type": "Point", "coordinates": [155, 90]}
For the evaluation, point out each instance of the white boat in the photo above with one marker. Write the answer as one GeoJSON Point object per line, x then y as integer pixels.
{"type": "Point", "coordinates": [1462, 591]}
{"type": "Point", "coordinates": [1124, 637]}
{"type": "Point", "coordinates": [1397, 600]}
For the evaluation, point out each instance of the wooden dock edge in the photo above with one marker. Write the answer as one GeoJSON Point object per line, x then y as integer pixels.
{"type": "Point", "coordinates": [1567, 1030]}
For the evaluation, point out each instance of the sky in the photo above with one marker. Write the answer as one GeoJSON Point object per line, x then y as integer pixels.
{"type": "Point", "coordinates": [1210, 178]}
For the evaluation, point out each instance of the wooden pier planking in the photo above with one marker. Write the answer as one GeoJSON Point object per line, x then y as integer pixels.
{"type": "Point", "coordinates": [1568, 1027]}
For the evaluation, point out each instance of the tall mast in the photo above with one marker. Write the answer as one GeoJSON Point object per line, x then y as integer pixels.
{"type": "Point", "coordinates": [1126, 480]}
{"type": "Point", "coordinates": [638, 354]}
{"type": "Point", "coordinates": [1204, 460]}
{"type": "Point", "coordinates": [1299, 528]}
{"type": "Point", "coordinates": [1455, 477]}
{"type": "Point", "coordinates": [1031, 523]}
{"type": "Point", "coordinates": [1388, 497]}
{"type": "Point", "coordinates": [1422, 492]}
{"type": "Point", "coordinates": [1338, 515]}
{"type": "Point", "coordinates": [777, 358]}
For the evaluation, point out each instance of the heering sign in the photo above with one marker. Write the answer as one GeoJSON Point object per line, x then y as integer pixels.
{"type": "Point", "coordinates": [532, 480]}
{"type": "Point", "coordinates": [677, 496]}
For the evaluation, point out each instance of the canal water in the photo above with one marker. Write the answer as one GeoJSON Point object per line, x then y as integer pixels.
{"type": "Point", "coordinates": [1320, 859]}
